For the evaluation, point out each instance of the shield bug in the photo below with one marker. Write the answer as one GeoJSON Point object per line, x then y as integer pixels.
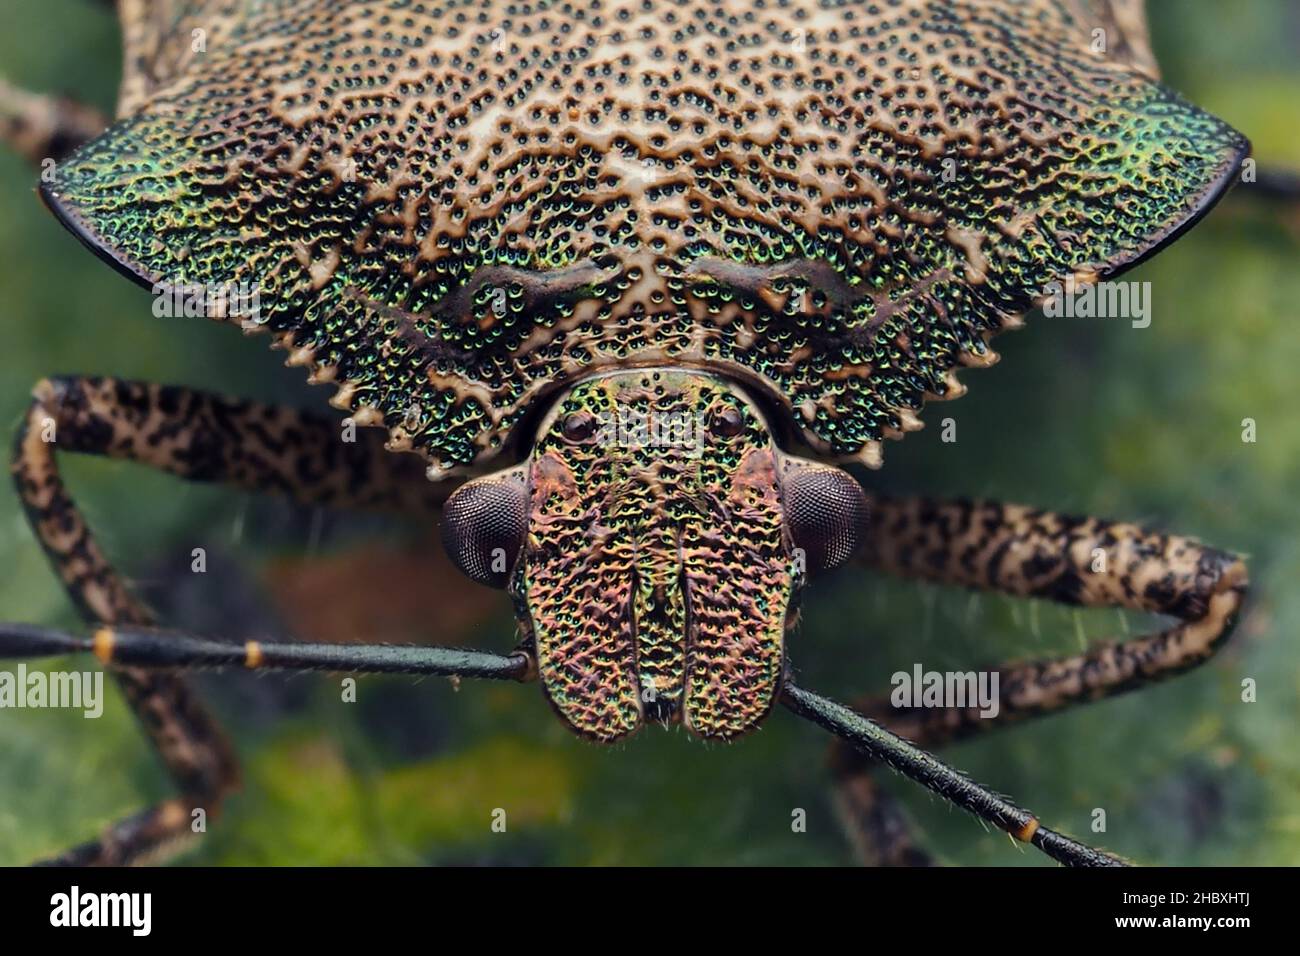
{"type": "Point", "coordinates": [636, 285]}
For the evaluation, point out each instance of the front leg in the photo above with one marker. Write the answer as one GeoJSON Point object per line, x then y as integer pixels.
{"type": "Point", "coordinates": [199, 437]}
{"type": "Point", "coordinates": [1025, 552]}
{"type": "Point", "coordinates": [40, 127]}
{"type": "Point", "coordinates": [1086, 562]}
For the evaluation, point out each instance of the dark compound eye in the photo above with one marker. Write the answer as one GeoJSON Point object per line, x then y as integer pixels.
{"type": "Point", "coordinates": [728, 422]}
{"type": "Point", "coordinates": [483, 526]}
{"type": "Point", "coordinates": [578, 426]}
{"type": "Point", "coordinates": [827, 513]}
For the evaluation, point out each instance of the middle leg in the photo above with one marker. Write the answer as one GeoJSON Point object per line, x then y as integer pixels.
{"type": "Point", "coordinates": [199, 437]}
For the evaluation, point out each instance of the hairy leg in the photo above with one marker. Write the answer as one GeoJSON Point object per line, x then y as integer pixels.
{"type": "Point", "coordinates": [200, 437]}
{"type": "Point", "coordinates": [1025, 552]}
{"type": "Point", "coordinates": [40, 127]}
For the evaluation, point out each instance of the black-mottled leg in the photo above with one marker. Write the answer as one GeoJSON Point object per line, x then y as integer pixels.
{"type": "Point", "coordinates": [40, 127]}
{"type": "Point", "coordinates": [1024, 552]}
{"type": "Point", "coordinates": [876, 824]}
{"type": "Point", "coordinates": [1085, 562]}
{"type": "Point", "coordinates": [200, 437]}
{"type": "Point", "coordinates": [1275, 185]}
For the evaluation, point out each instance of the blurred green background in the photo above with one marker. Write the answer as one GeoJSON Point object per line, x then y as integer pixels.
{"type": "Point", "coordinates": [1081, 415]}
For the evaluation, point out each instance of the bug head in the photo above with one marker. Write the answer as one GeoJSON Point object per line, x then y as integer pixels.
{"type": "Point", "coordinates": [655, 541]}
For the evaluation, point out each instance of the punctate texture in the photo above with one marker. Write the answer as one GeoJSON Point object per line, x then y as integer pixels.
{"type": "Point", "coordinates": [451, 209]}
